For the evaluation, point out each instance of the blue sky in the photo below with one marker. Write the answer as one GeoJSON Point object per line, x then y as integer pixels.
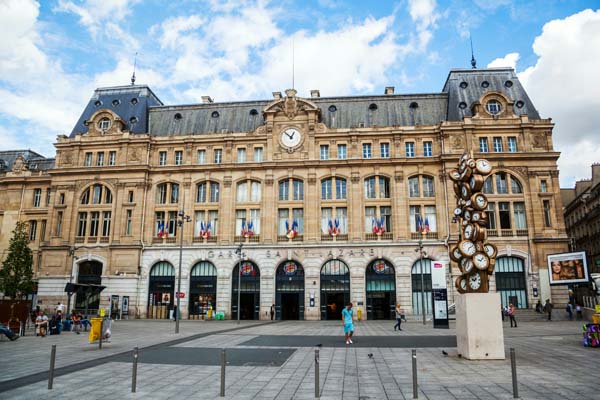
{"type": "Point", "coordinates": [53, 53]}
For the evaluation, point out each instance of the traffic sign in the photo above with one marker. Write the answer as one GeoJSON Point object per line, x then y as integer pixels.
{"type": "Point", "coordinates": [181, 295]}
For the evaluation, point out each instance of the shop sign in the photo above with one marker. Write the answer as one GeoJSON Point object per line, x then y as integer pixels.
{"type": "Point", "coordinates": [290, 268]}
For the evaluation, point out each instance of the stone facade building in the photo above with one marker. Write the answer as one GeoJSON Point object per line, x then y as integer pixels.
{"type": "Point", "coordinates": [323, 193]}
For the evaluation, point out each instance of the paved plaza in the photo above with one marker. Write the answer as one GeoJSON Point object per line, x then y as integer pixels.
{"type": "Point", "coordinates": [276, 361]}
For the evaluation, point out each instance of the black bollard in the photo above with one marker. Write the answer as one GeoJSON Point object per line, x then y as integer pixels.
{"type": "Point", "coordinates": [134, 370]}
{"type": "Point", "coordinates": [51, 372]}
{"type": "Point", "coordinates": [513, 367]}
{"type": "Point", "coordinates": [414, 375]}
{"type": "Point", "coordinates": [317, 391]}
{"type": "Point", "coordinates": [223, 364]}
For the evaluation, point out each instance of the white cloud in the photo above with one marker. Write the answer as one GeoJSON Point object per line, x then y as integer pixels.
{"type": "Point", "coordinates": [563, 84]}
{"type": "Point", "coordinates": [509, 60]}
{"type": "Point", "coordinates": [99, 15]}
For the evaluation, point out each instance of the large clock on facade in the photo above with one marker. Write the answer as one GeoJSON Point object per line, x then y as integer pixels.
{"type": "Point", "coordinates": [290, 138]}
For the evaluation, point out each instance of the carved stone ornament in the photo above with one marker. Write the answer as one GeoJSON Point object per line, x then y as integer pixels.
{"type": "Point", "coordinates": [19, 165]}
{"type": "Point", "coordinates": [539, 140]}
{"type": "Point", "coordinates": [134, 154]}
{"type": "Point", "coordinates": [290, 106]}
{"type": "Point", "coordinates": [67, 157]}
{"type": "Point", "coordinates": [457, 142]}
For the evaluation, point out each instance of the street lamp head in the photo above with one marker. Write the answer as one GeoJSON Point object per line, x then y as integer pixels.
{"type": "Point", "coordinates": [181, 213]}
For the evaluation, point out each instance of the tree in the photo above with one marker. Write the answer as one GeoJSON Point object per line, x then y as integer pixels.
{"type": "Point", "coordinates": [16, 275]}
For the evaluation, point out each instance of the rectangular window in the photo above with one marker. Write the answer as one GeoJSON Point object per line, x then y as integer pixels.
{"type": "Point", "coordinates": [384, 188]}
{"type": "Point", "coordinates": [241, 155]}
{"type": "Point", "coordinates": [283, 216]}
{"type": "Point", "coordinates": [415, 213]}
{"type": "Point", "coordinates": [81, 224]}
{"type": "Point", "coordinates": [201, 157]}
{"type": "Point", "coordinates": [501, 187]}
{"type": "Point", "coordinates": [105, 223]}
{"type": "Point", "coordinates": [341, 213]}
{"type": "Point", "coordinates": [341, 152]}
{"type": "Point", "coordinates": [199, 222]}
{"type": "Point", "coordinates": [97, 194]}
{"type": "Point", "coordinates": [498, 145]}
{"type": "Point", "coordinates": [258, 154]}
{"type": "Point", "coordinates": [284, 190]}
{"type": "Point", "coordinates": [547, 218]}
{"type": "Point", "coordinates": [370, 188]}
{"type": "Point", "coordinates": [37, 197]}
{"type": "Point", "coordinates": [161, 194]}
{"type": "Point", "coordinates": [326, 216]}
{"type": "Point", "coordinates": [160, 223]}
{"type": "Point", "coordinates": [483, 145]}
{"type": "Point", "coordinates": [428, 149]}
{"type": "Point", "coordinates": [413, 187]}
{"type": "Point", "coordinates": [370, 215]}
{"type": "Point", "coordinates": [410, 149]}
{"type": "Point", "coordinates": [32, 230]}
{"type": "Point", "coordinates": [218, 156]}
{"type": "Point", "coordinates": [430, 218]}
{"type": "Point", "coordinates": [112, 158]}
{"type": "Point", "coordinates": [491, 214]}
{"type": "Point", "coordinates": [366, 150]}
{"type": "Point", "coordinates": [298, 189]}
{"type": "Point", "coordinates": [543, 186]}
{"type": "Point", "coordinates": [88, 160]}
{"type": "Point", "coordinates": [519, 210]}
{"type": "Point", "coordinates": [178, 157]}
{"type": "Point", "coordinates": [504, 215]}
{"type": "Point", "coordinates": [242, 192]}
{"type": "Point", "coordinates": [386, 214]}
{"type": "Point", "coordinates": [324, 153]}
{"type": "Point", "coordinates": [326, 189]}
{"type": "Point", "coordinates": [128, 223]}
{"type": "Point", "coordinates": [162, 158]}
{"type": "Point", "coordinates": [340, 189]}
{"type": "Point", "coordinates": [43, 230]}
{"type": "Point", "coordinates": [512, 144]}
{"type": "Point", "coordinates": [201, 193]}
{"type": "Point", "coordinates": [94, 222]}
{"type": "Point", "coordinates": [240, 220]}
{"type": "Point", "coordinates": [130, 197]}
{"type": "Point", "coordinates": [214, 192]}
{"type": "Point", "coordinates": [59, 218]}
{"type": "Point", "coordinates": [61, 198]}
{"type": "Point", "coordinates": [255, 219]}
{"type": "Point", "coordinates": [171, 226]}
{"type": "Point", "coordinates": [298, 216]}
{"type": "Point", "coordinates": [213, 218]}
{"type": "Point", "coordinates": [384, 149]}
{"type": "Point", "coordinates": [428, 190]}
{"type": "Point", "coordinates": [100, 159]}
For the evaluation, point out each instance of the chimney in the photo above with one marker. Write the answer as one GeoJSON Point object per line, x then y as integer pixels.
{"type": "Point", "coordinates": [207, 100]}
{"type": "Point", "coordinates": [389, 90]}
{"type": "Point", "coordinates": [315, 93]}
{"type": "Point", "coordinates": [595, 174]}
{"type": "Point", "coordinates": [277, 95]}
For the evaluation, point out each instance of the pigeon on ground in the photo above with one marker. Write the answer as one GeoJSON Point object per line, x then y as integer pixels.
{"type": "Point", "coordinates": [319, 345]}
{"type": "Point", "coordinates": [370, 355]}
{"type": "Point", "coordinates": [444, 353]}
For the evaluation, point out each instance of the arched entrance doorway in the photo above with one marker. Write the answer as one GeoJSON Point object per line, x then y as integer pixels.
{"type": "Point", "coordinates": [90, 273]}
{"type": "Point", "coordinates": [250, 293]}
{"type": "Point", "coordinates": [161, 290]}
{"type": "Point", "coordinates": [203, 288]}
{"type": "Point", "coordinates": [381, 290]}
{"type": "Point", "coordinates": [289, 291]}
{"type": "Point", "coordinates": [335, 289]}
{"type": "Point", "coordinates": [510, 281]}
{"type": "Point", "coordinates": [416, 286]}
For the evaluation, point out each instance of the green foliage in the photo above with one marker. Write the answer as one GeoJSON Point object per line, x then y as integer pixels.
{"type": "Point", "coordinates": [16, 275]}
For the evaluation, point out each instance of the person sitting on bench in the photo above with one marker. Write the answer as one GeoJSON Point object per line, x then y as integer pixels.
{"type": "Point", "coordinates": [8, 333]}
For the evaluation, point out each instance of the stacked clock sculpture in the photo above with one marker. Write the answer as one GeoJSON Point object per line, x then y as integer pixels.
{"type": "Point", "coordinates": [473, 254]}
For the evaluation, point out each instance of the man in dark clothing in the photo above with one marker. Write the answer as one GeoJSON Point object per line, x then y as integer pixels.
{"type": "Point", "coordinates": [548, 309]}
{"type": "Point", "coordinates": [272, 311]}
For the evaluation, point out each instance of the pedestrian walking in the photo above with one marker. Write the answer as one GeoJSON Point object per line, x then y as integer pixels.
{"type": "Point", "coordinates": [399, 316]}
{"type": "Point", "coordinates": [569, 310]}
{"type": "Point", "coordinates": [272, 311]}
{"type": "Point", "coordinates": [503, 312]}
{"type": "Point", "coordinates": [511, 315]}
{"type": "Point", "coordinates": [548, 309]}
{"type": "Point", "coordinates": [538, 307]}
{"type": "Point", "coordinates": [579, 312]}
{"type": "Point", "coordinates": [347, 316]}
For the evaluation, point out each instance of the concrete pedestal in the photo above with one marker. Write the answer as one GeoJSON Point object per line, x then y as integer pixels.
{"type": "Point", "coordinates": [479, 333]}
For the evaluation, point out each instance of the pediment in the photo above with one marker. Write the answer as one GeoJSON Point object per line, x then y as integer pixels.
{"type": "Point", "coordinates": [291, 106]}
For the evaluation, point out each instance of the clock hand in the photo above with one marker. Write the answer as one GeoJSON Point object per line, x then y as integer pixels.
{"type": "Point", "coordinates": [286, 134]}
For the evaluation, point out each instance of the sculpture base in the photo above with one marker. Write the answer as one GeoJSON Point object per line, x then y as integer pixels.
{"type": "Point", "coordinates": [479, 332]}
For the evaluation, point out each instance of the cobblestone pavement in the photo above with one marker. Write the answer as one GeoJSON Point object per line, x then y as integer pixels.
{"type": "Point", "coordinates": [551, 361]}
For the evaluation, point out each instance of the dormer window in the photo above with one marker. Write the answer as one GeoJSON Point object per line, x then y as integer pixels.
{"type": "Point", "coordinates": [104, 124]}
{"type": "Point", "coordinates": [493, 107]}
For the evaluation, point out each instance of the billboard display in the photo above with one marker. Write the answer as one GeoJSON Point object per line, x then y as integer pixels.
{"type": "Point", "coordinates": [565, 268]}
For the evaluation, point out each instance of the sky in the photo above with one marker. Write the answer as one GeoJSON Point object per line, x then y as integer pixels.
{"type": "Point", "coordinates": [54, 53]}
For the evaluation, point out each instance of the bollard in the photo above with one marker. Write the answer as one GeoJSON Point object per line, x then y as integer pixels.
{"type": "Point", "coordinates": [51, 372]}
{"type": "Point", "coordinates": [513, 367]}
{"type": "Point", "coordinates": [134, 370]}
{"type": "Point", "coordinates": [223, 363]}
{"type": "Point", "coordinates": [100, 338]}
{"type": "Point", "coordinates": [317, 394]}
{"type": "Point", "coordinates": [414, 375]}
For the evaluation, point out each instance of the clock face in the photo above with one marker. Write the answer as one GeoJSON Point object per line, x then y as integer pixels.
{"type": "Point", "coordinates": [455, 254]}
{"type": "Point", "coordinates": [483, 166]}
{"type": "Point", "coordinates": [490, 250]}
{"type": "Point", "coordinates": [465, 192]}
{"type": "Point", "coordinates": [291, 137]}
{"type": "Point", "coordinates": [467, 214]}
{"type": "Point", "coordinates": [481, 261]}
{"type": "Point", "coordinates": [457, 211]}
{"type": "Point", "coordinates": [469, 231]}
{"type": "Point", "coordinates": [467, 265]}
{"type": "Point", "coordinates": [479, 201]}
{"type": "Point", "coordinates": [461, 284]}
{"type": "Point", "coordinates": [467, 248]}
{"type": "Point", "coordinates": [454, 175]}
{"type": "Point", "coordinates": [476, 182]}
{"type": "Point", "coordinates": [475, 281]}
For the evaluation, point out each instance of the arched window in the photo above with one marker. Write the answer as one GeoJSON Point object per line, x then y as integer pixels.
{"type": "Point", "coordinates": [377, 187]}
{"type": "Point", "coordinates": [167, 193]}
{"type": "Point", "coordinates": [95, 222]}
{"type": "Point", "coordinates": [510, 281]}
{"type": "Point", "coordinates": [291, 190]}
{"type": "Point", "coordinates": [161, 289]}
{"type": "Point", "coordinates": [203, 288]}
{"type": "Point", "coordinates": [204, 268]}
{"type": "Point", "coordinates": [419, 267]}
{"type": "Point", "coordinates": [104, 124]}
{"type": "Point", "coordinates": [162, 268]}
{"type": "Point", "coordinates": [248, 191]}
{"type": "Point", "coordinates": [96, 194]}
{"type": "Point", "coordinates": [506, 205]}
{"type": "Point", "coordinates": [207, 192]}
{"type": "Point", "coordinates": [335, 289]}
{"type": "Point", "coordinates": [333, 188]}
{"type": "Point", "coordinates": [421, 186]}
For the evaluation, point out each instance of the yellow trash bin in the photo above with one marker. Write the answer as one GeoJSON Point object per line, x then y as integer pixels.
{"type": "Point", "coordinates": [596, 319]}
{"type": "Point", "coordinates": [95, 329]}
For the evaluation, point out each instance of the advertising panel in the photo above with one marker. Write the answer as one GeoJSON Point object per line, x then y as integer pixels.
{"type": "Point", "coordinates": [565, 268]}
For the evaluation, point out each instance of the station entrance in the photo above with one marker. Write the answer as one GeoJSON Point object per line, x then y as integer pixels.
{"type": "Point", "coordinates": [335, 289]}
{"type": "Point", "coordinates": [249, 293]}
{"type": "Point", "coordinates": [381, 290]}
{"type": "Point", "coordinates": [289, 291]}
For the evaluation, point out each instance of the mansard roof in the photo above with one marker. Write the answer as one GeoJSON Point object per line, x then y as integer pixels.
{"type": "Point", "coordinates": [33, 160]}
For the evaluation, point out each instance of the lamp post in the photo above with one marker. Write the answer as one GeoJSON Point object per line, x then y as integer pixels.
{"type": "Point", "coordinates": [69, 294]}
{"type": "Point", "coordinates": [182, 218]}
{"type": "Point", "coordinates": [422, 276]}
{"type": "Point", "coordinates": [238, 251]}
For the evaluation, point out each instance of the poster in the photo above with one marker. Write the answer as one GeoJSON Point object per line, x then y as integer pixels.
{"type": "Point", "coordinates": [125, 305]}
{"type": "Point", "coordinates": [440, 294]}
{"type": "Point", "coordinates": [565, 268]}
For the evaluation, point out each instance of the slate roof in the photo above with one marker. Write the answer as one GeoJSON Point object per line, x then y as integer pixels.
{"type": "Point", "coordinates": [130, 102]}
{"type": "Point", "coordinates": [503, 80]}
{"type": "Point", "coordinates": [35, 161]}
{"type": "Point", "coordinates": [451, 104]}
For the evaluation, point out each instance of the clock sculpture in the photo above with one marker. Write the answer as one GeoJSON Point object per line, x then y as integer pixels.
{"type": "Point", "coordinates": [473, 254]}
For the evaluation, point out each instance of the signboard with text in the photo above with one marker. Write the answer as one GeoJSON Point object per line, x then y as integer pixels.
{"type": "Point", "coordinates": [439, 293]}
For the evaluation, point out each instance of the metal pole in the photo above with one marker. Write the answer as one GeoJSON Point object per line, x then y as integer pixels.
{"type": "Point", "coordinates": [239, 284]}
{"type": "Point", "coordinates": [422, 281]}
{"type": "Point", "coordinates": [513, 367]}
{"type": "Point", "coordinates": [223, 364]}
{"type": "Point", "coordinates": [51, 372]}
{"type": "Point", "coordinates": [70, 294]}
{"type": "Point", "coordinates": [100, 338]}
{"type": "Point", "coordinates": [414, 375]}
{"type": "Point", "coordinates": [317, 394]}
{"type": "Point", "coordinates": [180, 223]}
{"type": "Point", "coordinates": [134, 370]}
